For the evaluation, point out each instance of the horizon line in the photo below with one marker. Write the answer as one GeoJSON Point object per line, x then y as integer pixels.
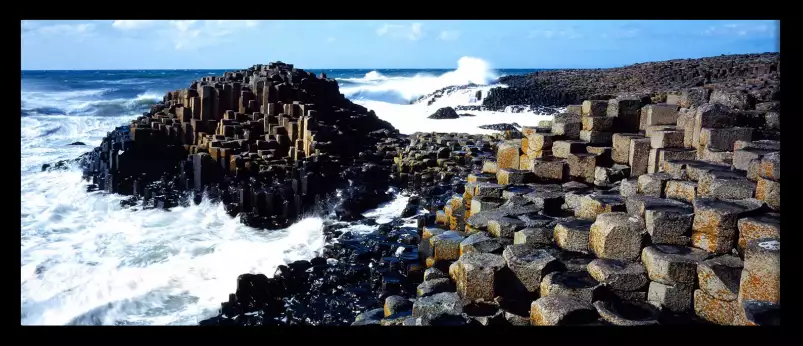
{"type": "Point", "coordinates": [307, 69]}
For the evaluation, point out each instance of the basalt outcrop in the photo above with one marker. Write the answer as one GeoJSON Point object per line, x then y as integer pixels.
{"type": "Point", "coordinates": [271, 142]}
{"type": "Point", "coordinates": [755, 78]}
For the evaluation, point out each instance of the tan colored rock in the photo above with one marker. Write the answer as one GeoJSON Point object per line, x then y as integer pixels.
{"type": "Point", "coordinates": [506, 176]}
{"type": "Point", "coordinates": [479, 242]}
{"type": "Point", "coordinates": [666, 139]}
{"type": "Point", "coordinates": [639, 156]}
{"type": "Point", "coordinates": [489, 166]}
{"type": "Point", "coordinates": [686, 124]}
{"type": "Point", "coordinates": [597, 123]}
{"type": "Point", "coordinates": [567, 126]}
{"type": "Point", "coordinates": [560, 310]}
{"type": "Point", "coordinates": [540, 141]}
{"type": "Point", "coordinates": [595, 108]}
{"type": "Point", "coordinates": [593, 205]}
{"type": "Point", "coordinates": [621, 146]}
{"type": "Point", "coordinates": [505, 227]}
{"type": "Point", "coordinates": [529, 265]}
{"type": "Point", "coordinates": [723, 157]}
{"type": "Point", "coordinates": [563, 148]}
{"type": "Point", "coordinates": [596, 137]}
{"type": "Point", "coordinates": [479, 204]}
{"type": "Point", "coordinates": [670, 264]}
{"type": "Point", "coordinates": [757, 227]}
{"type": "Point", "coordinates": [628, 187]}
{"type": "Point", "coordinates": [533, 236]}
{"type": "Point", "coordinates": [572, 235]}
{"type": "Point", "coordinates": [681, 190]}
{"type": "Point", "coordinates": [669, 224]}
{"type": "Point", "coordinates": [711, 116]}
{"type": "Point", "coordinates": [770, 167]}
{"type": "Point", "coordinates": [714, 310]}
{"type": "Point", "coordinates": [477, 275]}
{"type": "Point", "coordinates": [582, 166]}
{"type": "Point", "coordinates": [619, 275]}
{"type": "Point", "coordinates": [723, 138]}
{"type": "Point", "coordinates": [653, 184]}
{"type": "Point", "coordinates": [719, 276]}
{"type": "Point", "coordinates": [769, 192]}
{"type": "Point", "coordinates": [525, 163]}
{"type": "Point", "coordinates": [659, 156]}
{"type": "Point", "coordinates": [714, 227]}
{"type": "Point", "coordinates": [549, 169]}
{"type": "Point", "coordinates": [659, 114]}
{"type": "Point", "coordinates": [574, 109]}
{"type": "Point", "coordinates": [616, 236]}
{"type": "Point", "coordinates": [676, 298]}
{"type": "Point", "coordinates": [706, 179]}
{"type": "Point", "coordinates": [761, 276]}
{"type": "Point", "coordinates": [446, 246]}
{"type": "Point", "coordinates": [508, 154]}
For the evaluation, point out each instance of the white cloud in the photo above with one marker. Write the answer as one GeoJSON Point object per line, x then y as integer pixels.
{"type": "Point", "coordinates": [621, 33]}
{"type": "Point", "coordinates": [569, 34]}
{"type": "Point", "coordinates": [132, 24]}
{"type": "Point", "coordinates": [193, 34]}
{"type": "Point", "coordinates": [410, 32]}
{"type": "Point", "coordinates": [449, 35]}
{"type": "Point", "coordinates": [37, 29]}
{"type": "Point", "coordinates": [740, 30]}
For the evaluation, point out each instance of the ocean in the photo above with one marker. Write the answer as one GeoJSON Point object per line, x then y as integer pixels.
{"type": "Point", "coordinates": [86, 260]}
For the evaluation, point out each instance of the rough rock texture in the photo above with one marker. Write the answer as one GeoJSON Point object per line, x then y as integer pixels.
{"type": "Point", "coordinates": [563, 87]}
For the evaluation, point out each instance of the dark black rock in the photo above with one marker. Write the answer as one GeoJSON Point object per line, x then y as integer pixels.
{"type": "Point", "coordinates": [444, 113]}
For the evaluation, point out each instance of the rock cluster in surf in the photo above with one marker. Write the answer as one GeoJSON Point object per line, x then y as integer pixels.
{"type": "Point", "coordinates": [272, 142]}
{"type": "Point", "coordinates": [657, 207]}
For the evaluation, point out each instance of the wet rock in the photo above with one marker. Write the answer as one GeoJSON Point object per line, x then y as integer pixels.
{"type": "Point", "coordinates": [434, 273]}
{"type": "Point", "coordinates": [440, 303]}
{"type": "Point", "coordinates": [371, 317]}
{"type": "Point", "coordinates": [434, 286]}
{"type": "Point", "coordinates": [396, 304]}
{"type": "Point", "coordinates": [77, 143]}
{"type": "Point", "coordinates": [444, 113]}
{"type": "Point", "coordinates": [486, 313]}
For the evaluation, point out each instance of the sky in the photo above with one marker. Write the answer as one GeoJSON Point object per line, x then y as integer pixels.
{"type": "Point", "coordinates": [376, 44]}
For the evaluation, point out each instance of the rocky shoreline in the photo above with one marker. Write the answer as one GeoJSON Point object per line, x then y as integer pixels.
{"type": "Point", "coordinates": [656, 207]}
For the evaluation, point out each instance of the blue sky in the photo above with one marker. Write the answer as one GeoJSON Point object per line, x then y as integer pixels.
{"type": "Point", "coordinates": [371, 44]}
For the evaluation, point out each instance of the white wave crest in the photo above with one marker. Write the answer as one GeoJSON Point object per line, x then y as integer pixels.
{"type": "Point", "coordinates": [402, 90]}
